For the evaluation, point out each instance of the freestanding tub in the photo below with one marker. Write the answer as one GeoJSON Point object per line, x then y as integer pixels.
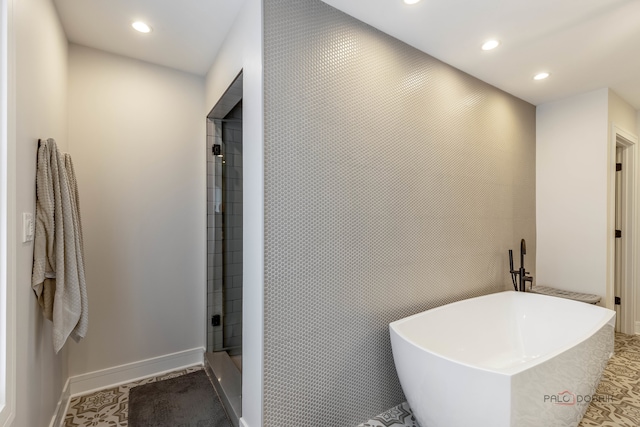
{"type": "Point", "coordinates": [508, 359]}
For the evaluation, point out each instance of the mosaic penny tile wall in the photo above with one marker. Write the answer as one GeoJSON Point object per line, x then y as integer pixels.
{"type": "Point", "coordinates": [393, 183]}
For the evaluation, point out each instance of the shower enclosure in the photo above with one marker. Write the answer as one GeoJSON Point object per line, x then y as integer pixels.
{"type": "Point", "coordinates": [225, 236]}
{"type": "Point", "coordinates": [224, 248]}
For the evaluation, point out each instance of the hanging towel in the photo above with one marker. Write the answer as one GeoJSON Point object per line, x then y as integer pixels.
{"type": "Point", "coordinates": [58, 261]}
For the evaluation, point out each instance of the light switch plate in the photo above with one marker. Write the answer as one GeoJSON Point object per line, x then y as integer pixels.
{"type": "Point", "coordinates": [27, 227]}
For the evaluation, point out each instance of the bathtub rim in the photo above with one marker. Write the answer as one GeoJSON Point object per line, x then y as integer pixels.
{"type": "Point", "coordinates": [515, 369]}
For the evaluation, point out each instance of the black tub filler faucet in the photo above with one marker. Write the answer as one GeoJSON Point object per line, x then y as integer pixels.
{"type": "Point", "coordinates": [520, 277]}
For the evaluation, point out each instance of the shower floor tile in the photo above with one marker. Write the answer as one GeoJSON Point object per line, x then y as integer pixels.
{"type": "Point", "coordinates": [237, 360]}
{"type": "Point", "coordinates": [110, 407]}
{"type": "Point", "coordinates": [620, 382]}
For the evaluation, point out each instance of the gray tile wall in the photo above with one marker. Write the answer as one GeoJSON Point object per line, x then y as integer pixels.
{"type": "Point", "coordinates": [232, 270]}
{"type": "Point", "coordinates": [224, 240]}
{"type": "Point", "coordinates": [214, 241]}
{"type": "Point", "coordinates": [393, 183]}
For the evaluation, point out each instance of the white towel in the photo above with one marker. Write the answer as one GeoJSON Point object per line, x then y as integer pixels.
{"type": "Point", "coordinates": [58, 260]}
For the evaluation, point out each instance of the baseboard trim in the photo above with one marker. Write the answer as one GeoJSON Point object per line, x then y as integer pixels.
{"type": "Point", "coordinates": [243, 423]}
{"type": "Point", "coordinates": [61, 409]}
{"type": "Point", "coordinates": [110, 377]}
{"type": "Point", "coordinates": [637, 328]}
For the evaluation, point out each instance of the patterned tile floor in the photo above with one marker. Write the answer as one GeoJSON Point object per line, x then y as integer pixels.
{"type": "Point", "coordinates": [110, 407]}
{"type": "Point", "coordinates": [621, 381]}
{"type": "Point", "coordinates": [398, 416]}
{"type": "Point", "coordinates": [620, 388]}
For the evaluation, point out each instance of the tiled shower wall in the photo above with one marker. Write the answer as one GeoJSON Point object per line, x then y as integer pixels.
{"type": "Point", "coordinates": [224, 239]}
{"type": "Point", "coordinates": [214, 237]}
{"type": "Point", "coordinates": [393, 183]}
{"type": "Point", "coordinates": [232, 225]}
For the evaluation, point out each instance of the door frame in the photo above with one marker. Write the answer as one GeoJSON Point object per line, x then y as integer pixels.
{"type": "Point", "coordinates": [629, 225]}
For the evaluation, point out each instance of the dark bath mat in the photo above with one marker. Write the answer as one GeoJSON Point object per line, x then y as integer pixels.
{"type": "Point", "coordinates": [185, 401]}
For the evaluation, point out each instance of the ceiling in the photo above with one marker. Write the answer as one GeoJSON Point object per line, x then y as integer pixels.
{"type": "Point", "coordinates": [584, 44]}
{"type": "Point", "coordinates": [186, 35]}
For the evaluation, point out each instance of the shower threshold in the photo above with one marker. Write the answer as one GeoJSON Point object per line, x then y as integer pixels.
{"type": "Point", "coordinates": [227, 379]}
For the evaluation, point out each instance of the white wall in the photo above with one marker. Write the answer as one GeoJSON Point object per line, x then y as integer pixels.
{"type": "Point", "coordinates": [637, 285]}
{"type": "Point", "coordinates": [137, 137]}
{"type": "Point", "coordinates": [40, 112]}
{"type": "Point", "coordinates": [573, 179]}
{"type": "Point", "coordinates": [242, 51]}
{"type": "Point", "coordinates": [571, 193]}
{"type": "Point", "coordinates": [622, 113]}
{"type": "Point", "coordinates": [622, 118]}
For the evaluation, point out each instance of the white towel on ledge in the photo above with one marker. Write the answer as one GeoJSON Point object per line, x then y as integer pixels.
{"type": "Point", "coordinates": [58, 259]}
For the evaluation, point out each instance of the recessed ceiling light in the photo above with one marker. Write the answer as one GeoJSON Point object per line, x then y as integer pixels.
{"type": "Point", "coordinates": [141, 26]}
{"type": "Point", "coordinates": [541, 76]}
{"type": "Point", "coordinates": [411, 1]}
{"type": "Point", "coordinates": [490, 44]}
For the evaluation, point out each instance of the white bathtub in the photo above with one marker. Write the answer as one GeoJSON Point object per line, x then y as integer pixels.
{"type": "Point", "coordinates": [508, 359]}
